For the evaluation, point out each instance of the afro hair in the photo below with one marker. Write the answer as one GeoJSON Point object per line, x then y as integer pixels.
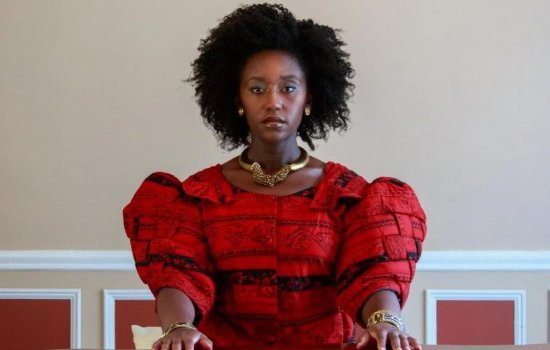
{"type": "Point", "coordinates": [254, 28]}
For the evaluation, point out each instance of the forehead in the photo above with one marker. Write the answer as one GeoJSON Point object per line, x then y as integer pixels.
{"type": "Point", "coordinates": [271, 64]}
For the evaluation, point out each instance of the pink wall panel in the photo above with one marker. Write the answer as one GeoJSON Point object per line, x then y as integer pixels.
{"type": "Point", "coordinates": [475, 322]}
{"type": "Point", "coordinates": [35, 324]}
{"type": "Point", "coordinates": [129, 312]}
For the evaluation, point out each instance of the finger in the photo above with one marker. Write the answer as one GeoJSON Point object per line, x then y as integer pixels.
{"type": "Point", "coordinates": [363, 340]}
{"type": "Point", "coordinates": [381, 339]}
{"type": "Point", "coordinates": [189, 344]}
{"type": "Point", "coordinates": [206, 342]}
{"type": "Point", "coordinates": [156, 345]}
{"type": "Point", "coordinates": [165, 344]}
{"type": "Point", "coordinates": [404, 342]}
{"type": "Point", "coordinates": [176, 345]}
{"type": "Point", "coordinates": [414, 343]}
{"type": "Point", "coordinates": [395, 341]}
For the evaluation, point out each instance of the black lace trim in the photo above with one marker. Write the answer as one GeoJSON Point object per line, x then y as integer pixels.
{"type": "Point", "coordinates": [348, 276]}
{"type": "Point", "coordinates": [180, 262]}
{"type": "Point", "coordinates": [295, 284]}
{"type": "Point", "coordinates": [268, 277]}
{"type": "Point", "coordinates": [345, 178]}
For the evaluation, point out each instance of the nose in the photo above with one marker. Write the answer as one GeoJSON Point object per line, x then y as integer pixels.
{"type": "Point", "coordinates": [273, 100]}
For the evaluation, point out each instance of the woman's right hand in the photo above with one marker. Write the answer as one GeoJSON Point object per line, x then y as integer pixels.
{"type": "Point", "coordinates": [183, 339]}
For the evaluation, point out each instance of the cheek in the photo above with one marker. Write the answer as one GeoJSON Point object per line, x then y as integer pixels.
{"type": "Point", "coordinates": [298, 104]}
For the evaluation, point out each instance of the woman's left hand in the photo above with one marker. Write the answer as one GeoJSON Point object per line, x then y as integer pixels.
{"type": "Point", "coordinates": [385, 333]}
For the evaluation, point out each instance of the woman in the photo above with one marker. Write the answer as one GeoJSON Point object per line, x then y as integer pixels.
{"type": "Point", "coordinates": [275, 246]}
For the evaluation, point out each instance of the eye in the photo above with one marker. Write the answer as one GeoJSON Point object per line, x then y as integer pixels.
{"type": "Point", "coordinates": [257, 90]}
{"type": "Point", "coordinates": [289, 88]}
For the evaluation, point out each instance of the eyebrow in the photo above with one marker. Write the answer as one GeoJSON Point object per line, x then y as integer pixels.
{"type": "Point", "coordinates": [283, 77]}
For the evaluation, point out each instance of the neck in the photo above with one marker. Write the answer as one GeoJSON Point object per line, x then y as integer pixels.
{"type": "Point", "coordinates": [273, 157]}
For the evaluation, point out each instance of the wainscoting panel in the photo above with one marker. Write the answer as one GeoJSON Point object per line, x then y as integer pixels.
{"type": "Point", "coordinates": [121, 309]}
{"type": "Point", "coordinates": [475, 317]}
{"type": "Point", "coordinates": [53, 314]}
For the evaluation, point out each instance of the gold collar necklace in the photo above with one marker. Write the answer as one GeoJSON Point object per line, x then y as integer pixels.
{"type": "Point", "coordinates": [271, 180]}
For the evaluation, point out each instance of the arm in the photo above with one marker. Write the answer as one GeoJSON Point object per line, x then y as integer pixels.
{"type": "Point", "coordinates": [382, 242]}
{"type": "Point", "coordinates": [382, 300]}
{"type": "Point", "coordinates": [174, 306]}
{"type": "Point", "coordinates": [383, 332]}
{"type": "Point", "coordinates": [163, 225]}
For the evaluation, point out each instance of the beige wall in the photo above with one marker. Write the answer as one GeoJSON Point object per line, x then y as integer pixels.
{"type": "Point", "coordinates": [451, 96]}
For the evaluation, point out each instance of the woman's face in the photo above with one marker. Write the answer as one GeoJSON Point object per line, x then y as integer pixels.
{"type": "Point", "coordinates": [273, 94]}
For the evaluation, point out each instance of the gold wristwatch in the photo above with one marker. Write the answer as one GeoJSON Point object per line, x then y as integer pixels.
{"type": "Point", "coordinates": [386, 316]}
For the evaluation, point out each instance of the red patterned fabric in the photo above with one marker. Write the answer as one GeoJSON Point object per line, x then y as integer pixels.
{"type": "Point", "coordinates": [264, 269]}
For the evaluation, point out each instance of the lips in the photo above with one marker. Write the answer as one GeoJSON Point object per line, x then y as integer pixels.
{"type": "Point", "coordinates": [273, 119]}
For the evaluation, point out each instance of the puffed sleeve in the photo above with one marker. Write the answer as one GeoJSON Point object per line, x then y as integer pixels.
{"type": "Point", "coordinates": [169, 248]}
{"type": "Point", "coordinates": [383, 235]}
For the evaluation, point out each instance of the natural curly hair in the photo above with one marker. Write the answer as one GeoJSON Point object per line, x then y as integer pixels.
{"type": "Point", "coordinates": [254, 28]}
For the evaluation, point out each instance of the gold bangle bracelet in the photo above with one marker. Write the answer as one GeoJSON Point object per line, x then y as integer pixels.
{"type": "Point", "coordinates": [385, 316]}
{"type": "Point", "coordinates": [177, 325]}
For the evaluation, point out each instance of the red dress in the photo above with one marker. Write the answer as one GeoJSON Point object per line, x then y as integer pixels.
{"type": "Point", "coordinates": [264, 269]}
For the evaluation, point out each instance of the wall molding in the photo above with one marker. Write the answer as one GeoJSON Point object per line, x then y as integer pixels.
{"type": "Point", "coordinates": [66, 260]}
{"type": "Point", "coordinates": [73, 295]}
{"type": "Point", "coordinates": [121, 260]}
{"type": "Point", "coordinates": [109, 298]}
{"type": "Point", "coordinates": [517, 296]}
{"type": "Point", "coordinates": [485, 260]}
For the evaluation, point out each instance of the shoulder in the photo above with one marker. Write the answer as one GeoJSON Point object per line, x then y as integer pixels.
{"type": "Point", "coordinates": [341, 176]}
{"type": "Point", "coordinates": [386, 184]}
{"type": "Point", "coordinates": [159, 184]}
{"type": "Point", "coordinates": [160, 196]}
{"type": "Point", "coordinates": [163, 185]}
{"type": "Point", "coordinates": [209, 184]}
{"type": "Point", "coordinates": [338, 184]}
{"type": "Point", "coordinates": [382, 195]}
{"type": "Point", "coordinates": [390, 195]}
